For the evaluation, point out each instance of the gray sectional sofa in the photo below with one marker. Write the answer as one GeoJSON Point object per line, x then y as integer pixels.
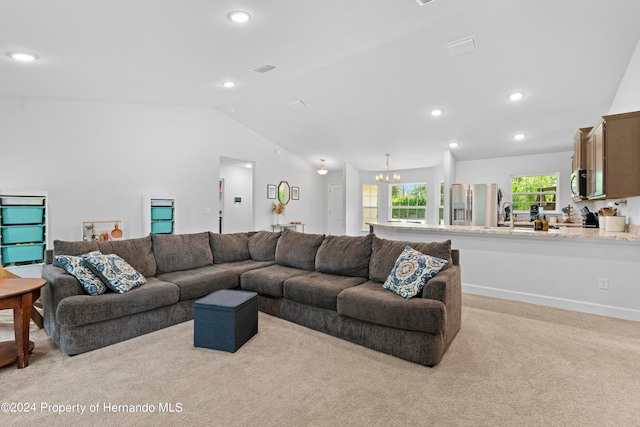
{"type": "Point", "coordinates": [328, 283]}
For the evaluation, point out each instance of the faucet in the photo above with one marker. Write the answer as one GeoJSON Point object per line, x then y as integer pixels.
{"type": "Point", "coordinates": [504, 205]}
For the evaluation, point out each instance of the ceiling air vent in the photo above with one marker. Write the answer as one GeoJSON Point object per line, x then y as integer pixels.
{"type": "Point", "coordinates": [423, 2]}
{"type": "Point", "coordinates": [297, 104]}
{"type": "Point", "coordinates": [264, 68]}
{"type": "Point", "coordinates": [462, 46]}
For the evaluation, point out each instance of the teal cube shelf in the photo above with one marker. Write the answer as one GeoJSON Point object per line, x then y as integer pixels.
{"type": "Point", "coordinates": [162, 227]}
{"type": "Point", "coordinates": [22, 253]}
{"type": "Point", "coordinates": [22, 234]}
{"type": "Point", "coordinates": [161, 213]}
{"type": "Point", "coordinates": [14, 215]}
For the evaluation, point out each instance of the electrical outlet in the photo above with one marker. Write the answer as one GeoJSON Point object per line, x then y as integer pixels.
{"type": "Point", "coordinates": [603, 283]}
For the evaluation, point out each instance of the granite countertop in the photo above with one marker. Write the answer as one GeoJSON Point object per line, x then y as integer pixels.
{"type": "Point", "coordinates": [563, 232]}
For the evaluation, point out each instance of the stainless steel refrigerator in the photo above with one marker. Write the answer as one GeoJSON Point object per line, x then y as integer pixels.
{"type": "Point", "coordinates": [475, 204]}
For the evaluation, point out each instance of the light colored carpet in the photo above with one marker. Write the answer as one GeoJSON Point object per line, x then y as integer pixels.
{"type": "Point", "coordinates": [512, 364]}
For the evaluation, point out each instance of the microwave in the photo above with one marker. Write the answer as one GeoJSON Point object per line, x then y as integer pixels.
{"type": "Point", "coordinates": [579, 185]}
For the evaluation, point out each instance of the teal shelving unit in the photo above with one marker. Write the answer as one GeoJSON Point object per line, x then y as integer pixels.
{"type": "Point", "coordinates": [159, 214]}
{"type": "Point", "coordinates": [23, 230]}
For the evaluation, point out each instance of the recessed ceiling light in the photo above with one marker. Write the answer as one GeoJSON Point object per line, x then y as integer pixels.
{"type": "Point", "coordinates": [516, 96]}
{"type": "Point", "coordinates": [22, 56]}
{"type": "Point", "coordinates": [239, 16]}
{"type": "Point", "coordinates": [229, 84]}
{"type": "Point", "coordinates": [519, 136]}
{"type": "Point", "coordinates": [453, 144]}
{"type": "Point", "coordinates": [436, 112]}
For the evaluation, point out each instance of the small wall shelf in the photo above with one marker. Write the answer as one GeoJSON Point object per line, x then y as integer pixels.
{"type": "Point", "coordinates": [104, 229]}
{"type": "Point", "coordinates": [158, 214]}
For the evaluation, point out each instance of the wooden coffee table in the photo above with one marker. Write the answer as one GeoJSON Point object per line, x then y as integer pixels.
{"type": "Point", "coordinates": [18, 294]}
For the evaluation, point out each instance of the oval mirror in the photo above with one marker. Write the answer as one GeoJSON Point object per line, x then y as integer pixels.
{"type": "Point", "coordinates": [284, 192]}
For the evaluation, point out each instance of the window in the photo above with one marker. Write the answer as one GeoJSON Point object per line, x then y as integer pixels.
{"type": "Point", "coordinates": [441, 207]}
{"type": "Point", "coordinates": [369, 204]}
{"type": "Point", "coordinates": [409, 201]}
{"type": "Point", "coordinates": [534, 190]}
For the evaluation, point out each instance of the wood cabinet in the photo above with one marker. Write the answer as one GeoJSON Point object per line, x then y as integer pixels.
{"type": "Point", "coordinates": [579, 158]}
{"type": "Point", "coordinates": [613, 157]}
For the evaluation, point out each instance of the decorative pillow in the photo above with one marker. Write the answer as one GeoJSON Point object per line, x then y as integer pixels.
{"type": "Point", "coordinates": [384, 253]}
{"type": "Point", "coordinates": [62, 247]}
{"type": "Point", "coordinates": [77, 267]}
{"type": "Point", "coordinates": [411, 272]}
{"type": "Point", "coordinates": [114, 272]}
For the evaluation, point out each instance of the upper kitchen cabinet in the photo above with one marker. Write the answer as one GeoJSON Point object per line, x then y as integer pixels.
{"type": "Point", "coordinates": [579, 158]}
{"type": "Point", "coordinates": [613, 157]}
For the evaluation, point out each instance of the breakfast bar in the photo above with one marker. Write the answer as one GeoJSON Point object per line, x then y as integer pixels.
{"type": "Point", "coordinates": [575, 268]}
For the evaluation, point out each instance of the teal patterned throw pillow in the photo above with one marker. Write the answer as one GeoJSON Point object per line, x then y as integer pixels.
{"type": "Point", "coordinates": [115, 272]}
{"type": "Point", "coordinates": [76, 266]}
{"type": "Point", "coordinates": [411, 272]}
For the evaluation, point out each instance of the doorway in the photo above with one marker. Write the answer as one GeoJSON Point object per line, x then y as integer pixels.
{"type": "Point", "coordinates": [235, 190]}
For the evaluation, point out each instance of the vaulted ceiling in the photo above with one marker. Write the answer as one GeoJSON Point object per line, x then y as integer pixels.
{"type": "Point", "coordinates": [369, 72]}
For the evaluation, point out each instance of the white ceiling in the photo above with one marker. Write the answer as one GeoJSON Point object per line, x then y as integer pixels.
{"type": "Point", "coordinates": [369, 71]}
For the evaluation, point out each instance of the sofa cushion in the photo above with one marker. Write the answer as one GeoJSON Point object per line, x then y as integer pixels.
{"type": "Point", "coordinates": [298, 250]}
{"type": "Point", "coordinates": [177, 252]}
{"type": "Point", "coordinates": [244, 266]}
{"type": "Point", "coordinates": [84, 309]}
{"type": "Point", "coordinates": [319, 289]}
{"type": "Point", "coordinates": [269, 280]}
{"type": "Point", "coordinates": [345, 255]}
{"type": "Point", "coordinates": [201, 281]}
{"type": "Point", "coordinates": [229, 247]}
{"type": "Point", "coordinates": [372, 303]}
{"type": "Point", "coordinates": [114, 272]}
{"type": "Point", "coordinates": [384, 254]}
{"type": "Point", "coordinates": [137, 252]}
{"type": "Point", "coordinates": [412, 270]}
{"type": "Point", "coordinates": [62, 247]}
{"type": "Point", "coordinates": [262, 245]}
{"type": "Point", "coordinates": [77, 267]}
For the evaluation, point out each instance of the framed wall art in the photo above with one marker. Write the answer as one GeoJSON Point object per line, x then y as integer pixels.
{"type": "Point", "coordinates": [271, 191]}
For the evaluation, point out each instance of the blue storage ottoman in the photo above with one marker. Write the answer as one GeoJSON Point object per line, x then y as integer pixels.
{"type": "Point", "coordinates": [225, 319]}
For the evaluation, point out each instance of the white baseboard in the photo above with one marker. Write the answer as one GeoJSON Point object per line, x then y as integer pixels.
{"type": "Point", "coordinates": [566, 304]}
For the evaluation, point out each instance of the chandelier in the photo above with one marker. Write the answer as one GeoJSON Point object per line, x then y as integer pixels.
{"type": "Point", "coordinates": [386, 178]}
{"type": "Point", "coordinates": [322, 170]}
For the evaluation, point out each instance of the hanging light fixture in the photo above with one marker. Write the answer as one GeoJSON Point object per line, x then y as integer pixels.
{"type": "Point", "coordinates": [322, 170]}
{"type": "Point", "coordinates": [386, 178]}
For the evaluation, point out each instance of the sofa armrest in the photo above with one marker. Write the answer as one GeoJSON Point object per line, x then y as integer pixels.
{"type": "Point", "coordinates": [60, 285]}
{"type": "Point", "coordinates": [441, 286]}
{"type": "Point", "coordinates": [446, 286]}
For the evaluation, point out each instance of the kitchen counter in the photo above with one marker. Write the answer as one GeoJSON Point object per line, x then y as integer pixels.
{"type": "Point", "coordinates": [563, 232]}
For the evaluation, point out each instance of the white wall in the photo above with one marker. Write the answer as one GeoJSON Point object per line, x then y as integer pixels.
{"type": "Point", "coordinates": [628, 95]}
{"type": "Point", "coordinates": [96, 160]}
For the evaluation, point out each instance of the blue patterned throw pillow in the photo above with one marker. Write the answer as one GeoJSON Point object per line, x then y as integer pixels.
{"type": "Point", "coordinates": [115, 272]}
{"type": "Point", "coordinates": [411, 272]}
{"type": "Point", "coordinates": [76, 266]}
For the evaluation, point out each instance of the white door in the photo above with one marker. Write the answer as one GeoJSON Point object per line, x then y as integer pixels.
{"type": "Point", "coordinates": [337, 225]}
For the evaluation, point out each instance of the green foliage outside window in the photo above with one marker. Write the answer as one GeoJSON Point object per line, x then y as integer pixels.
{"type": "Point", "coordinates": [409, 201]}
{"type": "Point", "coordinates": [534, 190]}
